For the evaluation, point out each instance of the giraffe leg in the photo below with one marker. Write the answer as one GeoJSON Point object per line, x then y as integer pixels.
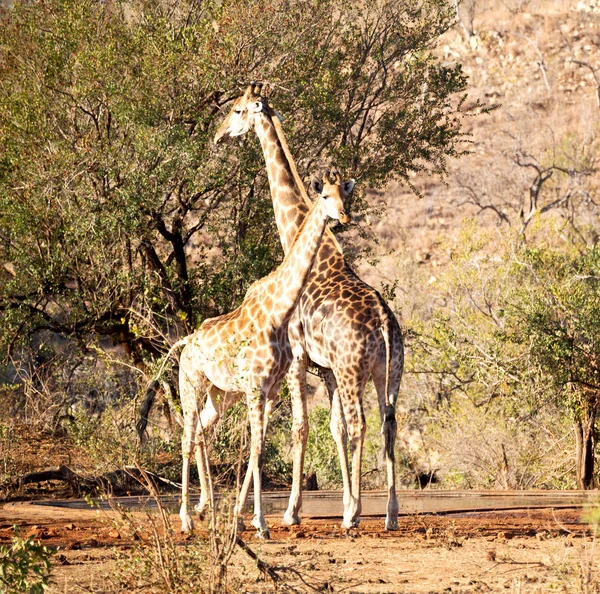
{"type": "Point", "coordinates": [337, 424]}
{"type": "Point", "coordinates": [203, 470]}
{"type": "Point", "coordinates": [350, 395]}
{"type": "Point", "coordinates": [273, 395]}
{"type": "Point", "coordinates": [190, 385]}
{"type": "Point", "coordinates": [296, 380]}
{"type": "Point", "coordinates": [187, 447]}
{"type": "Point", "coordinates": [217, 404]}
{"type": "Point", "coordinates": [388, 431]}
{"type": "Point", "coordinates": [256, 407]}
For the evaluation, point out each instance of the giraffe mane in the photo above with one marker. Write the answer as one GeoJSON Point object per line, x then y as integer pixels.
{"type": "Point", "coordinates": [296, 175]}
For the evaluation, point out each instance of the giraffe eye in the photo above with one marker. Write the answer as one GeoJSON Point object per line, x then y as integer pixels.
{"type": "Point", "coordinates": [238, 110]}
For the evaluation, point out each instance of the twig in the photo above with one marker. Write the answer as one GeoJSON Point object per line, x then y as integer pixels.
{"type": "Point", "coordinates": [262, 566]}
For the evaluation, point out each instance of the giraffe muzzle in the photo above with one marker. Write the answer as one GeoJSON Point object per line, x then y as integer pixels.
{"type": "Point", "coordinates": [344, 218]}
{"type": "Point", "coordinates": [220, 136]}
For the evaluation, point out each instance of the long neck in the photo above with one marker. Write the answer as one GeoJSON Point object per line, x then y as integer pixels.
{"type": "Point", "coordinates": [288, 204]}
{"type": "Point", "coordinates": [292, 274]}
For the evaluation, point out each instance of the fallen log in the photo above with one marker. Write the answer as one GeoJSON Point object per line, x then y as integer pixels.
{"type": "Point", "coordinates": [130, 475]}
{"type": "Point", "coordinates": [58, 473]}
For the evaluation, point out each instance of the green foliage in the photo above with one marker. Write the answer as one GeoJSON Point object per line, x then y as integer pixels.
{"type": "Point", "coordinates": [321, 451]}
{"type": "Point", "coordinates": [25, 567]}
{"type": "Point", "coordinates": [277, 466]}
{"type": "Point", "coordinates": [592, 517]}
{"type": "Point", "coordinates": [107, 438]}
{"type": "Point", "coordinates": [508, 360]}
{"type": "Point", "coordinates": [556, 310]}
{"type": "Point", "coordinates": [111, 193]}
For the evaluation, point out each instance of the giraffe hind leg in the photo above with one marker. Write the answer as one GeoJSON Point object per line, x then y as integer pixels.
{"type": "Point", "coordinates": [296, 380]}
{"type": "Point", "coordinates": [388, 431]}
{"type": "Point", "coordinates": [256, 400]}
{"type": "Point", "coordinates": [216, 405]}
{"type": "Point", "coordinates": [350, 395]}
{"type": "Point", "coordinates": [193, 385]}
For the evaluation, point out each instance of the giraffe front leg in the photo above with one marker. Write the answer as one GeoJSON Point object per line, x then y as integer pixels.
{"type": "Point", "coordinates": [256, 405]}
{"type": "Point", "coordinates": [296, 380]}
{"type": "Point", "coordinates": [337, 425]}
{"type": "Point", "coordinates": [258, 521]}
{"type": "Point", "coordinates": [350, 395]}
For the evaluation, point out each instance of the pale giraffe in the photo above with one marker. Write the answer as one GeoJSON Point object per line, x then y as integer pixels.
{"type": "Point", "coordinates": [247, 352]}
{"type": "Point", "coordinates": [342, 326]}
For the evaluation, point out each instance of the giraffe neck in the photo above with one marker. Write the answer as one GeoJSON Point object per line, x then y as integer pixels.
{"type": "Point", "coordinates": [289, 206]}
{"type": "Point", "coordinates": [290, 277]}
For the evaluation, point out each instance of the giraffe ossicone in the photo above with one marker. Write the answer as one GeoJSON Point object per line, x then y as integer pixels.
{"type": "Point", "coordinates": [341, 325]}
{"type": "Point", "coordinates": [247, 352]}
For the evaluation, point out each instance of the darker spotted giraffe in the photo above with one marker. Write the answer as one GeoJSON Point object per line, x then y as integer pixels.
{"type": "Point", "coordinates": [342, 325]}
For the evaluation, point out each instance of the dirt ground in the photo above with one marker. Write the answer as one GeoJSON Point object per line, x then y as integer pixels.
{"type": "Point", "coordinates": [520, 551]}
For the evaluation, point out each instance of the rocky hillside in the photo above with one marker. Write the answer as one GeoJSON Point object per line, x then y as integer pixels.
{"type": "Point", "coordinates": [538, 64]}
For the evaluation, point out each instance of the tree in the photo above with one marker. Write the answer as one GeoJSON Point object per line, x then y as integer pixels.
{"type": "Point", "coordinates": [556, 312]}
{"type": "Point", "coordinates": [481, 402]}
{"type": "Point", "coordinates": [513, 348]}
{"type": "Point", "coordinates": [118, 217]}
{"type": "Point", "coordinates": [120, 222]}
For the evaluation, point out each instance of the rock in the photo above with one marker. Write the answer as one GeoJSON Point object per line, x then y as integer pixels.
{"type": "Point", "coordinates": [61, 560]}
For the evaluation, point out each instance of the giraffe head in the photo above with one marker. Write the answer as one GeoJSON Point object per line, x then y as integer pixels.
{"type": "Point", "coordinates": [241, 117]}
{"type": "Point", "coordinates": [333, 191]}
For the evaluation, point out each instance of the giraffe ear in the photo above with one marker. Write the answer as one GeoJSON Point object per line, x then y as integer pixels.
{"type": "Point", "coordinates": [349, 186]}
{"type": "Point", "coordinates": [316, 185]}
{"type": "Point", "coordinates": [278, 115]}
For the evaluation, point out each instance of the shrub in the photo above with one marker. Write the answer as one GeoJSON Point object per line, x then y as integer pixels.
{"type": "Point", "coordinates": [25, 566]}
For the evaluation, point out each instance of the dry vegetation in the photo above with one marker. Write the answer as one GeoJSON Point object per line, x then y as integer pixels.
{"type": "Point", "coordinates": [531, 176]}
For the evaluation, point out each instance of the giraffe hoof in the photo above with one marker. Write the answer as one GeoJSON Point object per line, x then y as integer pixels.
{"type": "Point", "coordinates": [263, 534]}
{"type": "Point", "coordinates": [187, 525]}
{"type": "Point", "coordinates": [200, 510]}
{"type": "Point", "coordinates": [290, 519]}
{"type": "Point", "coordinates": [262, 529]}
{"type": "Point", "coordinates": [349, 524]}
{"type": "Point", "coordinates": [392, 525]}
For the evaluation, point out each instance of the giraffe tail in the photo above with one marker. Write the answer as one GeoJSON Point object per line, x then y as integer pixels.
{"type": "Point", "coordinates": [389, 426]}
{"type": "Point", "coordinates": [151, 391]}
{"type": "Point", "coordinates": [386, 331]}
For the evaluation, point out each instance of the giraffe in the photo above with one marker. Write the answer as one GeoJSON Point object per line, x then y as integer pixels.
{"type": "Point", "coordinates": [342, 326]}
{"type": "Point", "coordinates": [247, 352]}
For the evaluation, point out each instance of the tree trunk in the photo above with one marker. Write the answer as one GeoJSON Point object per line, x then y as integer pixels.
{"type": "Point", "coordinates": [585, 440]}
